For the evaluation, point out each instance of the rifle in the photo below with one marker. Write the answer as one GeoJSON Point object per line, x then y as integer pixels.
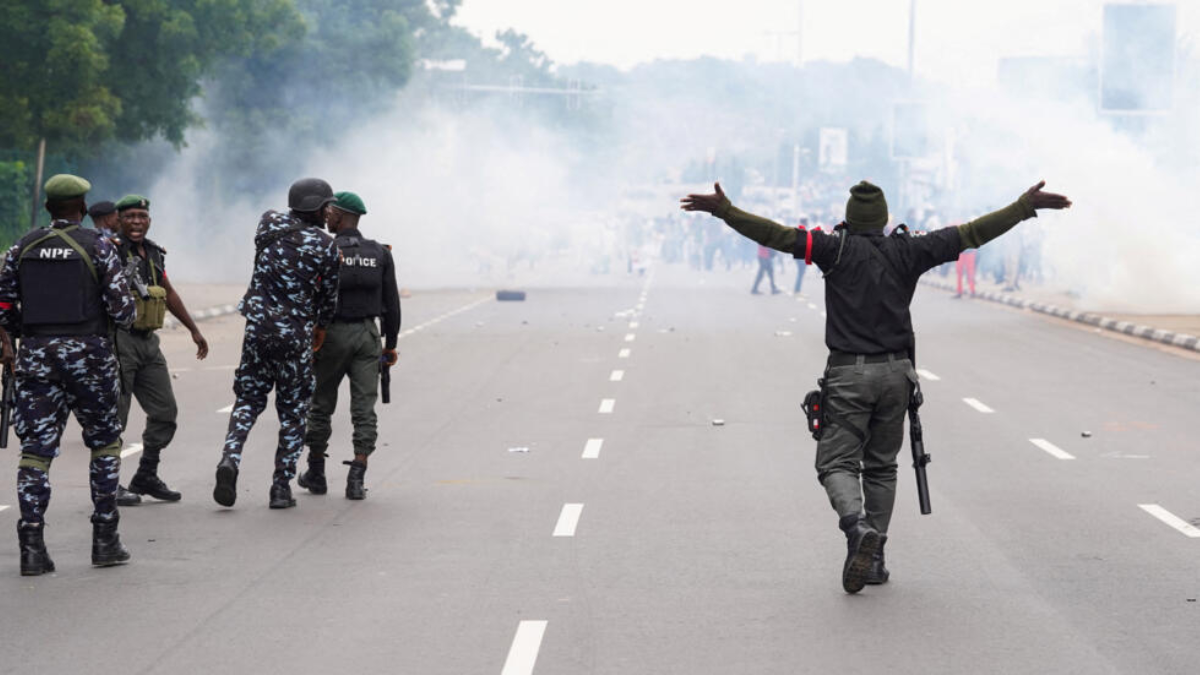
{"type": "Point", "coordinates": [385, 379]}
{"type": "Point", "coordinates": [916, 439]}
{"type": "Point", "coordinates": [8, 401]}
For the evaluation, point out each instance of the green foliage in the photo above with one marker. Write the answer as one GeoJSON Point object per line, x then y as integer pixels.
{"type": "Point", "coordinates": [53, 83]}
{"type": "Point", "coordinates": [14, 201]}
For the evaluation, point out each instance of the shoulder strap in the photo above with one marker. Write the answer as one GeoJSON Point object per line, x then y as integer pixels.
{"type": "Point", "coordinates": [62, 234]}
{"type": "Point", "coordinates": [273, 237]}
{"type": "Point", "coordinates": [896, 276]}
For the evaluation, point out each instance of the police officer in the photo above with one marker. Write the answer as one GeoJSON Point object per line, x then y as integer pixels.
{"type": "Point", "coordinates": [105, 219]}
{"type": "Point", "coordinates": [869, 282]}
{"type": "Point", "coordinates": [60, 289]}
{"type": "Point", "coordinates": [292, 294]}
{"type": "Point", "coordinates": [144, 371]}
{"type": "Point", "coordinates": [366, 291]}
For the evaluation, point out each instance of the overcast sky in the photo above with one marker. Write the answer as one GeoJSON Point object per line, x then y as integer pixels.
{"type": "Point", "coordinates": [956, 40]}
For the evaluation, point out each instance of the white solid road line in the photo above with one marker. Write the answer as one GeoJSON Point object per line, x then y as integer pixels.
{"type": "Point", "coordinates": [131, 449]}
{"type": "Point", "coordinates": [1051, 448]}
{"type": "Point", "coordinates": [926, 375]}
{"type": "Point", "coordinates": [617, 376]}
{"type": "Point", "coordinates": [525, 646]}
{"type": "Point", "coordinates": [591, 450]}
{"type": "Point", "coordinates": [811, 306]}
{"type": "Point", "coordinates": [226, 409]}
{"type": "Point", "coordinates": [1171, 519]}
{"type": "Point", "coordinates": [1055, 451]}
{"type": "Point", "coordinates": [623, 354]}
{"type": "Point", "coordinates": [607, 405]}
{"type": "Point", "coordinates": [630, 337]}
{"type": "Point", "coordinates": [633, 324]}
{"type": "Point", "coordinates": [568, 520]}
{"type": "Point", "coordinates": [974, 403]}
{"type": "Point", "coordinates": [3, 507]}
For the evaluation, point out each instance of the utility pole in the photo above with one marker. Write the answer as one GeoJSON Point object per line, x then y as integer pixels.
{"type": "Point", "coordinates": [37, 184]}
{"type": "Point", "coordinates": [912, 39]}
{"type": "Point", "coordinates": [799, 33]}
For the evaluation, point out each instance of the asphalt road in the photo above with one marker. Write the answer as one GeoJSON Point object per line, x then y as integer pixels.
{"type": "Point", "coordinates": [513, 526]}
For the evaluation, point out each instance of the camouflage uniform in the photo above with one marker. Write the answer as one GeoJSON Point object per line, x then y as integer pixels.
{"type": "Point", "coordinates": [293, 290]}
{"type": "Point", "coordinates": [60, 374]}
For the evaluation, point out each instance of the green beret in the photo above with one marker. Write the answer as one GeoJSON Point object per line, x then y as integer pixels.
{"type": "Point", "coordinates": [348, 201]}
{"type": "Point", "coordinates": [133, 202]}
{"type": "Point", "coordinates": [66, 186]}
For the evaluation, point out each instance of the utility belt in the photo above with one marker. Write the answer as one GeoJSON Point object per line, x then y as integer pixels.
{"type": "Point", "coordinates": [138, 332]}
{"type": "Point", "coordinates": [846, 359]}
{"type": "Point", "coordinates": [352, 319]}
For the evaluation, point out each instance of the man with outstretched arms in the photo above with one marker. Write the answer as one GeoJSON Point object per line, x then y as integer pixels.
{"type": "Point", "coordinates": [61, 290]}
{"type": "Point", "coordinates": [869, 283]}
{"type": "Point", "coordinates": [291, 299]}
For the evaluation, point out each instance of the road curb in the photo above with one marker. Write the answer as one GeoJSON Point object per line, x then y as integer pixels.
{"type": "Point", "coordinates": [1166, 337]}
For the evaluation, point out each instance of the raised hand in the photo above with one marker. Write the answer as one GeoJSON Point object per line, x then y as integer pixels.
{"type": "Point", "coordinates": [705, 203]}
{"type": "Point", "coordinates": [1046, 200]}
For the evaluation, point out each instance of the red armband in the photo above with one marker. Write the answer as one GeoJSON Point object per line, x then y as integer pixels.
{"type": "Point", "coordinates": [808, 248]}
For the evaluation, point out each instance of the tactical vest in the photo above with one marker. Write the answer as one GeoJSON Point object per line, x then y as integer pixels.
{"type": "Point", "coordinates": [60, 285]}
{"type": "Point", "coordinates": [150, 300]}
{"type": "Point", "coordinates": [360, 278]}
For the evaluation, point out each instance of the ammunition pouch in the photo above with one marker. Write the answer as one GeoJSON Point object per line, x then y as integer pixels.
{"type": "Point", "coordinates": [151, 309]}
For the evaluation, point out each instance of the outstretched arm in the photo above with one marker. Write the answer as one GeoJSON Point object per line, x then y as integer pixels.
{"type": "Point", "coordinates": [986, 228]}
{"type": "Point", "coordinates": [762, 230]}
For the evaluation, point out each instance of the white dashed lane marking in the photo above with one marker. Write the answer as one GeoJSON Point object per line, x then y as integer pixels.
{"type": "Point", "coordinates": [522, 656]}
{"type": "Point", "coordinates": [617, 376]}
{"type": "Point", "coordinates": [447, 315]}
{"type": "Point", "coordinates": [227, 409]}
{"type": "Point", "coordinates": [633, 324]}
{"type": "Point", "coordinates": [4, 507]}
{"type": "Point", "coordinates": [926, 375]}
{"type": "Point", "coordinates": [607, 405]}
{"type": "Point", "coordinates": [568, 520]}
{"type": "Point", "coordinates": [630, 337]}
{"type": "Point", "coordinates": [624, 354]}
{"type": "Point", "coordinates": [591, 450]}
{"type": "Point", "coordinates": [1051, 448]}
{"type": "Point", "coordinates": [974, 403]}
{"type": "Point", "coordinates": [1171, 519]}
{"type": "Point", "coordinates": [131, 449]}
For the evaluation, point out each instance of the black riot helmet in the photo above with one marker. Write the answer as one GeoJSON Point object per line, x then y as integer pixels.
{"type": "Point", "coordinates": [309, 195]}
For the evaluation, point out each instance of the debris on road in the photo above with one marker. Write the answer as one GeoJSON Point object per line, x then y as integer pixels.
{"type": "Point", "coordinates": [1086, 434]}
{"type": "Point", "coordinates": [520, 449]}
{"type": "Point", "coordinates": [718, 423]}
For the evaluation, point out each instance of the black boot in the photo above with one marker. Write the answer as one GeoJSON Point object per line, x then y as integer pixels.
{"type": "Point", "coordinates": [147, 483]}
{"type": "Point", "coordinates": [127, 498]}
{"type": "Point", "coordinates": [107, 549]}
{"type": "Point", "coordinates": [225, 493]}
{"type": "Point", "coordinates": [35, 560]}
{"type": "Point", "coordinates": [878, 574]}
{"type": "Point", "coordinates": [354, 480]}
{"type": "Point", "coordinates": [281, 496]}
{"type": "Point", "coordinates": [313, 480]}
{"type": "Point", "coordinates": [862, 541]}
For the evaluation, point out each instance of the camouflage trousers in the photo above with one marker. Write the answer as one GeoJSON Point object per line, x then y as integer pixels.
{"type": "Point", "coordinates": [268, 363]}
{"type": "Point", "coordinates": [55, 377]}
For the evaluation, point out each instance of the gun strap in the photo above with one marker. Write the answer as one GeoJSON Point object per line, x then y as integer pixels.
{"type": "Point", "coordinates": [841, 422]}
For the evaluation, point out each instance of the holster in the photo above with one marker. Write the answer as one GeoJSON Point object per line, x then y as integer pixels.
{"type": "Point", "coordinates": [814, 409]}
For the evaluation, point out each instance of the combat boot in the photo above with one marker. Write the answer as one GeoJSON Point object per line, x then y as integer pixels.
{"type": "Point", "coordinates": [281, 496]}
{"type": "Point", "coordinates": [225, 492]}
{"type": "Point", "coordinates": [862, 541]}
{"type": "Point", "coordinates": [878, 574]}
{"type": "Point", "coordinates": [148, 483]}
{"type": "Point", "coordinates": [107, 549]}
{"type": "Point", "coordinates": [35, 560]}
{"type": "Point", "coordinates": [313, 480]}
{"type": "Point", "coordinates": [127, 498]}
{"type": "Point", "coordinates": [354, 480]}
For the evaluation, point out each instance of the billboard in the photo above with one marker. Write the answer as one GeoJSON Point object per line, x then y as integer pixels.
{"type": "Point", "coordinates": [910, 130]}
{"type": "Point", "coordinates": [833, 149]}
{"type": "Point", "coordinates": [1137, 59]}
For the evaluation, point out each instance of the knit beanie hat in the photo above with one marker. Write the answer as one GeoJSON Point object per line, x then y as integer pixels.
{"type": "Point", "coordinates": [866, 209]}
